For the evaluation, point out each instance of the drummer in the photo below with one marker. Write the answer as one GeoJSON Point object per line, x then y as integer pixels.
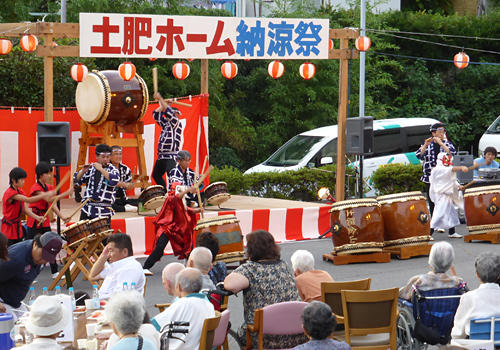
{"type": "Point", "coordinates": [486, 161]}
{"type": "Point", "coordinates": [101, 178]}
{"type": "Point", "coordinates": [122, 203]}
{"type": "Point", "coordinates": [183, 174]}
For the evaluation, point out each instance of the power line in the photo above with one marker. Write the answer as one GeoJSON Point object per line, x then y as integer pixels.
{"type": "Point", "coordinates": [430, 34]}
{"type": "Point", "coordinates": [429, 59]}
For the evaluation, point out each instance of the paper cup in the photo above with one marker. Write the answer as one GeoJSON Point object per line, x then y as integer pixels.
{"type": "Point", "coordinates": [89, 304]}
{"type": "Point", "coordinates": [82, 344]}
{"type": "Point", "coordinates": [92, 344]}
{"type": "Point", "coordinates": [91, 329]}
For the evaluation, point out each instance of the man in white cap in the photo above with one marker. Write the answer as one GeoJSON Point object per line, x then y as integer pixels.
{"type": "Point", "coordinates": [47, 319]}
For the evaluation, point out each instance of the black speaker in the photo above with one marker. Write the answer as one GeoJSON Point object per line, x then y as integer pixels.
{"type": "Point", "coordinates": [359, 136]}
{"type": "Point", "coordinates": [465, 159]}
{"type": "Point", "coordinates": [54, 143]}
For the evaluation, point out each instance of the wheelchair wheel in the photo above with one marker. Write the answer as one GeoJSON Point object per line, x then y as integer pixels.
{"type": "Point", "coordinates": [405, 340]}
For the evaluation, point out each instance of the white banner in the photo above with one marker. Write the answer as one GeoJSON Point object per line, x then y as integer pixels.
{"type": "Point", "coordinates": [161, 36]}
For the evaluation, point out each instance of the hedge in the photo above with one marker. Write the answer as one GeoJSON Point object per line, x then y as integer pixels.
{"type": "Point", "coordinates": [396, 178]}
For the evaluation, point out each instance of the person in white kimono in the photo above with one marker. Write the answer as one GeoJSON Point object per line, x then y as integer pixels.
{"type": "Point", "coordinates": [445, 192]}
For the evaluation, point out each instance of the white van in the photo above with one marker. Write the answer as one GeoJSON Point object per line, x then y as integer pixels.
{"type": "Point", "coordinates": [491, 137]}
{"type": "Point", "coordinates": [394, 141]}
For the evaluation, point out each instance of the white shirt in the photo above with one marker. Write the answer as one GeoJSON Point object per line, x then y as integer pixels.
{"type": "Point", "coordinates": [115, 274]}
{"type": "Point", "coordinates": [42, 344]}
{"type": "Point", "coordinates": [193, 308]}
{"type": "Point", "coordinates": [478, 303]}
{"type": "Point", "coordinates": [147, 331]}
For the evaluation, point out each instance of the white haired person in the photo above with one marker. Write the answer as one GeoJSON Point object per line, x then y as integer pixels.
{"type": "Point", "coordinates": [46, 320]}
{"type": "Point", "coordinates": [444, 192]}
{"type": "Point", "coordinates": [168, 277]}
{"type": "Point", "coordinates": [125, 312]}
{"type": "Point", "coordinates": [308, 279]}
{"type": "Point", "coordinates": [201, 259]}
{"type": "Point", "coordinates": [441, 260]}
{"type": "Point", "coordinates": [482, 302]}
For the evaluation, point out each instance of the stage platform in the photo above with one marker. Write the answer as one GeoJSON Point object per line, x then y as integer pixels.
{"type": "Point", "coordinates": [287, 220]}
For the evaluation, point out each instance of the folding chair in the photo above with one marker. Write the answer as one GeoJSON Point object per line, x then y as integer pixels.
{"type": "Point", "coordinates": [486, 329]}
{"type": "Point", "coordinates": [220, 338]}
{"type": "Point", "coordinates": [208, 332]}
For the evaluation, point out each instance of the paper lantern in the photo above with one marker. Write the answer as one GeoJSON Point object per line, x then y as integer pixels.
{"type": "Point", "coordinates": [363, 43]}
{"type": "Point", "coordinates": [79, 72]}
{"type": "Point", "coordinates": [181, 70]}
{"type": "Point", "coordinates": [307, 70]}
{"type": "Point", "coordinates": [461, 60]}
{"type": "Point", "coordinates": [330, 45]}
{"type": "Point", "coordinates": [127, 70]}
{"type": "Point", "coordinates": [29, 43]}
{"type": "Point", "coordinates": [152, 59]}
{"type": "Point", "coordinates": [229, 69]}
{"type": "Point", "coordinates": [190, 59]}
{"type": "Point", "coordinates": [5, 46]}
{"type": "Point", "coordinates": [276, 69]}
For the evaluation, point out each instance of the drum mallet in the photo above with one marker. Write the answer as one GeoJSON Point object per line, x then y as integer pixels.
{"type": "Point", "coordinates": [155, 80]}
{"type": "Point", "coordinates": [56, 198]}
{"type": "Point", "coordinates": [79, 207]}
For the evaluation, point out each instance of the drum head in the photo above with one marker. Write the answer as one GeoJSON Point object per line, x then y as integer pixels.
{"type": "Point", "coordinates": [154, 203]}
{"type": "Point", "coordinates": [218, 198]}
{"type": "Point", "coordinates": [90, 98]}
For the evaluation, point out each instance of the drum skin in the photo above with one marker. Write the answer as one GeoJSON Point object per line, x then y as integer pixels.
{"type": "Point", "coordinates": [216, 193]}
{"type": "Point", "coordinates": [406, 219]}
{"type": "Point", "coordinates": [482, 208]}
{"type": "Point", "coordinates": [357, 226]}
{"type": "Point", "coordinates": [152, 197]}
{"type": "Point", "coordinates": [227, 230]}
{"type": "Point", "coordinates": [76, 231]}
{"type": "Point", "coordinates": [105, 96]}
{"type": "Point", "coordinates": [99, 225]}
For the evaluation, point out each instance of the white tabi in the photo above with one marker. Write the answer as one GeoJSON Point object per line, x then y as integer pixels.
{"type": "Point", "coordinates": [444, 193]}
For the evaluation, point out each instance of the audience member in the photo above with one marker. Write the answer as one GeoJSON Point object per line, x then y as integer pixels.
{"type": "Point", "coordinates": [483, 301]}
{"type": "Point", "coordinates": [201, 259]}
{"type": "Point", "coordinates": [4, 247]}
{"type": "Point", "coordinates": [486, 161]}
{"type": "Point", "coordinates": [25, 261]}
{"type": "Point", "coordinates": [125, 312]}
{"type": "Point", "coordinates": [168, 277]}
{"type": "Point", "coordinates": [219, 270]}
{"type": "Point", "coordinates": [192, 307]}
{"type": "Point", "coordinates": [117, 265]}
{"type": "Point", "coordinates": [441, 260]}
{"type": "Point", "coordinates": [46, 320]}
{"type": "Point", "coordinates": [319, 322]}
{"type": "Point", "coordinates": [307, 278]}
{"type": "Point", "coordinates": [264, 280]}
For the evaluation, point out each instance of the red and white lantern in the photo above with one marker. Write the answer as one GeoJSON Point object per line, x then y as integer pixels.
{"type": "Point", "coordinates": [461, 60]}
{"type": "Point", "coordinates": [330, 45]}
{"type": "Point", "coordinates": [229, 69]}
{"type": "Point", "coordinates": [307, 70]}
{"type": "Point", "coordinates": [152, 59]}
{"type": "Point", "coordinates": [363, 43]}
{"type": "Point", "coordinates": [29, 42]}
{"type": "Point", "coordinates": [276, 69]}
{"type": "Point", "coordinates": [79, 72]}
{"type": "Point", "coordinates": [5, 46]}
{"type": "Point", "coordinates": [181, 70]}
{"type": "Point", "coordinates": [127, 70]}
{"type": "Point", "coordinates": [190, 59]}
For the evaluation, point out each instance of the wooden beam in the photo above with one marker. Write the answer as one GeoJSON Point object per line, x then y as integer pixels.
{"type": "Point", "coordinates": [345, 33]}
{"type": "Point", "coordinates": [347, 54]}
{"type": "Point", "coordinates": [341, 121]}
{"type": "Point", "coordinates": [48, 85]}
{"type": "Point", "coordinates": [17, 29]}
{"type": "Point", "coordinates": [58, 51]}
{"type": "Point", "coordinates": [204, 76]}
{"type": "Point", "coordinates": [58, 30]}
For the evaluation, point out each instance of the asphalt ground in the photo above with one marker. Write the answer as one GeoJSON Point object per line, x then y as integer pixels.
{"type": "Point", "coordinates": [384, 275]}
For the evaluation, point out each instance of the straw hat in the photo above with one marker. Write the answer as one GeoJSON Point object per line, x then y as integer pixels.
{"type": "Point", "coordinates": [47, 316]}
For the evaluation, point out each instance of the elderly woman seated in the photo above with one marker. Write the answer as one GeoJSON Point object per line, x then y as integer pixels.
{"type": "Point", "coordinates": [319, 323]}
{"type": "Point", "coordinates": [441, 260]}
{"type": "Point", "coordinates": [125, 311]}
{"type": "Point", "coordinates": [308, 279]}
{"type": "Point", "coordinates": [481, 302]}
{"type": "Point", "coordinates": [265, 279]}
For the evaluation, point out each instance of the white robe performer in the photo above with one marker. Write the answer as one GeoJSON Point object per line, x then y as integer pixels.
{"type": "Point", "coordinates": [444, 193]}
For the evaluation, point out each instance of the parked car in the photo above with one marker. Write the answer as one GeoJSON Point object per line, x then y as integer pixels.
{"type": "Point", "coordinates": [491, 137]}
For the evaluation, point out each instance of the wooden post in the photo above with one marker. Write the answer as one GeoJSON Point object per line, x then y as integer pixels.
{"type": "Point", "coordinates": [341, 121]}
{"type": "Point", "coordinates": [48, 84]}
{"type": "Point", "coordinates": [204, 76]}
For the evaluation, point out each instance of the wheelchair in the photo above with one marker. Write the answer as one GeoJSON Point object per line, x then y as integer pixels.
{"type": "Point", "coordinates": [428, 318]}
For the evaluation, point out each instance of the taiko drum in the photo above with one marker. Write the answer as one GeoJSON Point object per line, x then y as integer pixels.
{"type": "Point", "coordinates": [482, 209]}
{"type": "Point", "coordinates": [357, 226]}
{"type": "Point", "coordinates": [227, 230]}
{"type": "Point", "coordinates": [406, 219]}
{"type": "Point", "coordinates": [76, 232]}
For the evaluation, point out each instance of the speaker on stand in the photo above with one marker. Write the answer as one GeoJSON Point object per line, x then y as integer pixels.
{"type": "Point", "coordinates": [54, 147]}
{"type": "Point", "coordinates": [359, 141]}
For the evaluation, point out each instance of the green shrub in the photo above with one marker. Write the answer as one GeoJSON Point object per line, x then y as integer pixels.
{"type": "Point", "coordinates": [396, 178]}
{"type": "Point", "coordinates": [230, 175]}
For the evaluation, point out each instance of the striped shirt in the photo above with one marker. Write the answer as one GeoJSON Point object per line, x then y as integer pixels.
{"type": "Point", "coordinates": [187, 179]}
{"type": "Point", "coordinates": [429, 157]}
{"type": "Point", "coordinates": [171, 133]}
{"type": "Point", "coordinates": [125, 176]}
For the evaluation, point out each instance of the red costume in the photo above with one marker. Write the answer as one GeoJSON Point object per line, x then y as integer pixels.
{"type": "Point", "coordinates": [12, 210]}
{"type": "Point", "coordinates": [177, 222]}
{"type": "Point", "coordinates": [40, 207]}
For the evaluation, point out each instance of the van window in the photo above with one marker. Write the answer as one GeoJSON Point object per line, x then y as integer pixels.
{"type": "Point", "coordinates": [415, 136]}
{"type": "Point", "coordinates": [494, 128]}
{"type": "Point", "coordinates": [292, 152]}
{"type": "Point", "coordinates": [386, 142]}
{"type": "Point", "coordinates": [328, 150]}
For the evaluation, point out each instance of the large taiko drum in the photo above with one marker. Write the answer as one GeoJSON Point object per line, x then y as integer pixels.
{"type": "Point", "coordinates": [406, 219]}
{"type": "Point", "coordinates": [76, 231]}
{"type": "Point", "coordinates": [105, 96]}
{"type": "Point", "coordinates": [482, 209]}
{"type": "Point", "coordinates": [357, 226]}
{"type": "Point", "coordinates": [227, 230]}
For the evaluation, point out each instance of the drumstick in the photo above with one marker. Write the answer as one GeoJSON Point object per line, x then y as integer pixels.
{"type": "Point", "coordinates": [181, 104]}
{"type": "Point", "coordinates": [199, 201]}
{"type": "Point", "coordinates": [155, 80]}
{"type": "Point", "coordinates": [204, 163]}
{"type": "Point", "coordinates": [79, 207]}
{"type": "Point", "coordinates": [56, 198]}
{"type": "Point", "coordinates": [469, 184]}
{"type": "Point", "coordinates": [202, 177]}
{"type": "Point", "coordinates": [64, 179]}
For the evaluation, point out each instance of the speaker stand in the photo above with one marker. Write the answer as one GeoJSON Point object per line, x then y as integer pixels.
{"type": "Point", "coordinates": [109, 133]}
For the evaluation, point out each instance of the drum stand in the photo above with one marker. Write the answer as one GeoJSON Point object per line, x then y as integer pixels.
{"type": "Point", "coordinates": [493, 237]}
{"type": "Point", "coordinates": [410, 251]}
{"type": "Point", "coordinates": [84, 255]}
{"type": "Point", "coordinates": [344, 259]}
{"type": "Point", "coordinates": [109, 133]}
